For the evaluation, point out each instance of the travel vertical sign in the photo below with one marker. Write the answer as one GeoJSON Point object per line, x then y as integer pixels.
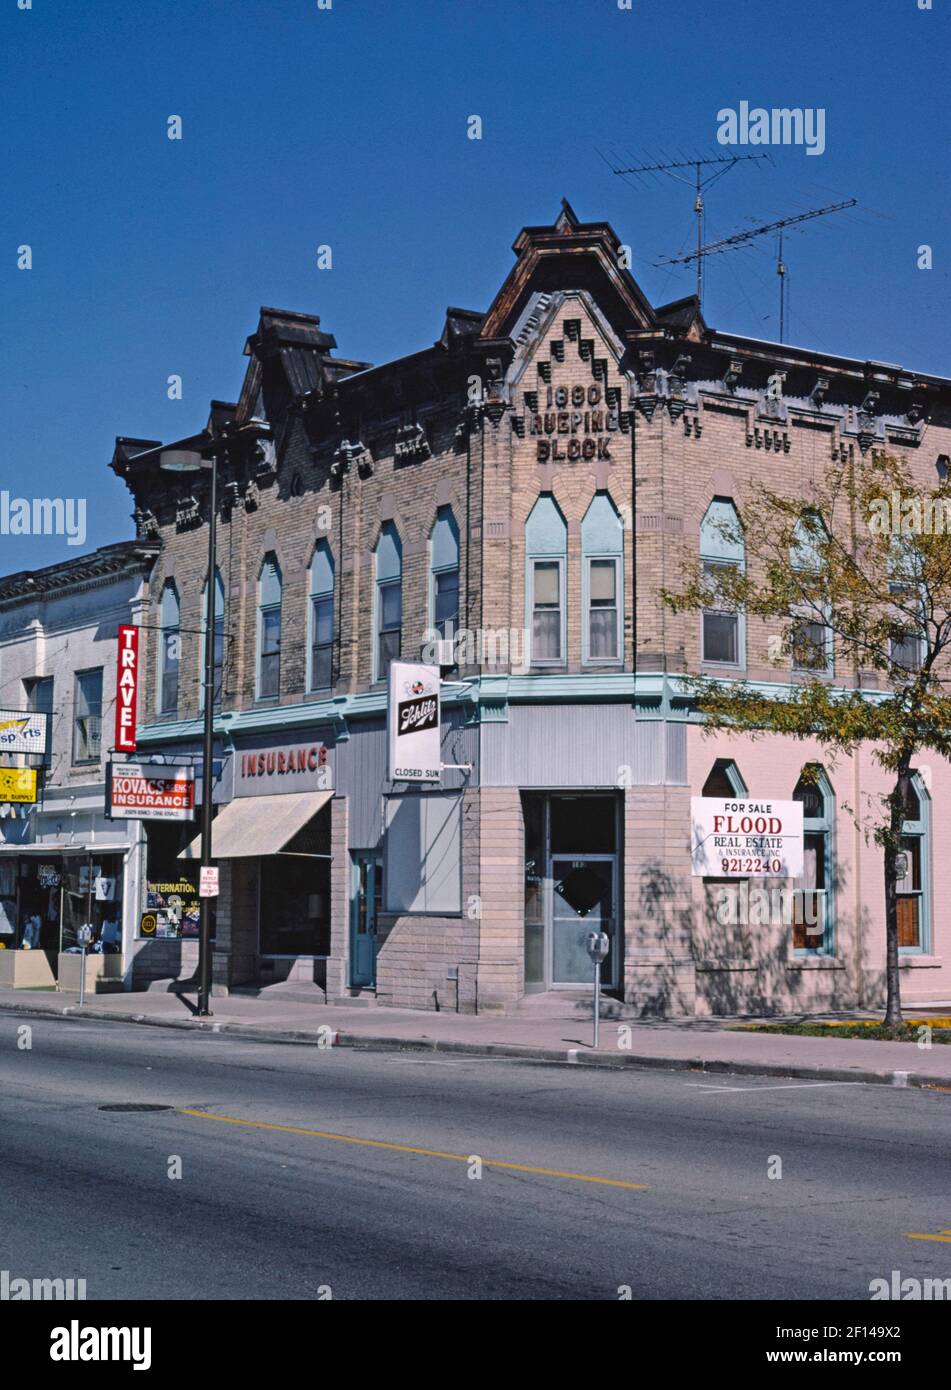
{"type": "Point", "coordinates": [127, 688]}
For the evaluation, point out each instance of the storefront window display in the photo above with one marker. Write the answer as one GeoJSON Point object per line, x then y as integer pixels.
{"type": "Point", "coordinates": [172, 905]}
{"type": "Point", "coordinates": [44, 900]}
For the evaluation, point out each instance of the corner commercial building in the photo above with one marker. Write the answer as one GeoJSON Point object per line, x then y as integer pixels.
{"type": "Point", "coordinates": [529, 483]}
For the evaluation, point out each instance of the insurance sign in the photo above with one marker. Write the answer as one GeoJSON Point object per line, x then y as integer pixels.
{"type": "Point", "coordinates": [745, 839]}
{"type": "Point", "coordinates": [413, 723]}
{"type": "Point", "coordinates": [137, 791]}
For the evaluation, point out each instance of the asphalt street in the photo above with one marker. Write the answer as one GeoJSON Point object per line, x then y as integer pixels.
{"type": "Point", "coordinates": [481, 1178]}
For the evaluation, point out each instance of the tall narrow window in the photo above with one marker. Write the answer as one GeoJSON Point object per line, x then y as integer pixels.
{"type": "Point", "coordinates": [321, 618]}
{"type": "Point", "coordinates": [546, 546]}
{"type": "Point", "coordinates": [389, 600]}
{"type": "Point", "coordinates": [813, 896]}
{"type": "Point", "coordinates": [914, 926]}
{"type": "Point", "coordinates": [39, 695]}
{"type": "Point", "coordinates": [602, 547]}
{"type": "Point", "coordinates": [444, 599]}
{"type": "Point", "coordinates": [270, 588]}
{"type": "Point", "coordinates": [219, 641]}
{"type": "Point", "coordinates": [87, 716]}
{"type": "Point", "coordinates": [811, 636]}
{"type": "Point", "coordinates": [723, 639]}
{"type": "Point", "coordinates": [169, 649]}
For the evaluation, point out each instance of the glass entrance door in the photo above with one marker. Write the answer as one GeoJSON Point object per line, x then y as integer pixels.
{"type": "Point", "coordinates": [365, 907]}
{"type": "Point", "coordinates": [582, 902]}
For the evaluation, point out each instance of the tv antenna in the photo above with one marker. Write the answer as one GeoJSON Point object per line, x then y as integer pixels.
{"type": "Point", "coordinates": [740, 238]}
{"type": "Point", "coordinates": [700, 182]}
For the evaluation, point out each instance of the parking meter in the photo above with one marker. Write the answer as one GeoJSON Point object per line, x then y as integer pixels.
{"type": "Point", "coordinates": [598, 944]}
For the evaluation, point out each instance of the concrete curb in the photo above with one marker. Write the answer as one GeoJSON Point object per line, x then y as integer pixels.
{"type": "Point", "coordinates": [525, 1052]}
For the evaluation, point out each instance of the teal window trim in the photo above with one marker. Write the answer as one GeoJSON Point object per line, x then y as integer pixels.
{"type": "Point", "coordinates": [169, 630]}
{"type": "Point", "coordinates": [823, 825]}
{"type": "Point", "coordinates": [219, 636]}
{"type": "Point", "coordinates": [266, 609]}
{"type": "Point", "coordinates": [717, 548]}
{"type": "Point", "coordinates": [920, 829]}
{"type": "Point", "coordinates": [587, 659]}
{"type": "Point", "coordinates": [542, 662]}
{"type": "Point", "coordinates": [443, 560]}
{"type": "Point", "coordinates": [322, 586]}
{"type": "Point", "coordinates": [388, 571]}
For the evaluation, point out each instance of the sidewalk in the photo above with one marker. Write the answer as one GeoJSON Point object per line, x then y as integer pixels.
{"type": "Point", "coordinates": [694, 1044]}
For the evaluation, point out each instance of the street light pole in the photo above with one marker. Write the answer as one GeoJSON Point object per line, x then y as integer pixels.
{"type": "Point", "coordinates": [207, 753]}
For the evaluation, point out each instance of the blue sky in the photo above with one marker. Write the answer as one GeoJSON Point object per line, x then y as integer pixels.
{"type": "Point", "coordinates": [347, 127]}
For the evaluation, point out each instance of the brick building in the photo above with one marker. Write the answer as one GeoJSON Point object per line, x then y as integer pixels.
{"type": "Point", "coordinates": [529, 484]}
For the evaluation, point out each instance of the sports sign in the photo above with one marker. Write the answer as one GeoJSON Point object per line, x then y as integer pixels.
{"type": "Point", "coordinates": [127, 686]}
{"type": "Point", "coordinates": [23, 733]}
{"type": "Point", "coordinates": [745, 839]}
{"type": "Point", "coordinates": [17, 784]}
{"type": "Point", "coordinates": [135, 791]}
{"type": "Point", "coordinates": [413, 723]}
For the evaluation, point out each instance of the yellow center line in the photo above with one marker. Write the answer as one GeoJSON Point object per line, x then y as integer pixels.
{"type": "Point", "coordinates": [944, 1236]}
{"type": "Point", "coordinates": [413, 1149]}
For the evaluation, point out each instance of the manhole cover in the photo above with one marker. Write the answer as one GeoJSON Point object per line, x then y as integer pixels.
{"type": "Point", "coordinates": [128, 1109]}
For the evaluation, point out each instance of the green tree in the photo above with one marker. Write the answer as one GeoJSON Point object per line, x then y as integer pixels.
{"type": "Point", "coordinates": [853, 582]}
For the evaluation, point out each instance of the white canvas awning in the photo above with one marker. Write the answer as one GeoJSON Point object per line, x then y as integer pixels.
{"type": "Point", "coordinates": [251, 826]}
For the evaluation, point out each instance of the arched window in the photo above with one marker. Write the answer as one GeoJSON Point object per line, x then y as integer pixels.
{"type": "Point", "coordinates": [602, 546]}
{"type": "Point", "coordinates": [811, 637]}
{"type": "Point", "coordinates": [219, 652]}
{"type": "Point", "coordinates": [389, 600]}
{"type": "Point", "coordinates": [907, 640]}
{"type": "Point", "coordinates": [444, 573]}
{"type": "Point", "coordinates": [813, 898]}
{"type": "Point", "coordinates": [169, 649]}
{"type": "Point", "coordinates": [914, 887]}
{"type": "Point", "coordinates": [270, 589]}
{"type": "Point", "coordinates": [321, 618]}
{"type": "Point", "coordinates": [546, 549]}
{"type": "Point", "coordinates": [723, 635]}
{"type": "Point", "coordinates": [725, 780]}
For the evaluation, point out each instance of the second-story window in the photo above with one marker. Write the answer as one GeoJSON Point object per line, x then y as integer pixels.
{"type": "Point", "coordinates": [389, 600]}
{"type": "Point", "coordinates": [270, 588]}
{"type": "Point", "coordinates": [445, 573]}
{"type": "Point", "coordinates": [219, 655]}
{"type": "Point", "coordinates": [39, 695]}
{"type": "Point", "coordinates": [602, 547]}
{"type": "Point", "coordinates": [87, 716]}
{"type": "Point", "coordinates": [546, 546]}
{"type": "Point", "coordinates": [723, 639]}
{"type": "Point", "coordinates": [321, 618]}
{"type": "Point", "coordinates": [169, 649]}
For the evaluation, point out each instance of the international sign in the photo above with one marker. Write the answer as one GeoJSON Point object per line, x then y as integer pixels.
{"type": "Point", "coordinates": [138, 792]}
{"type": "Point", "coordinates": [413, 723]}
{"type": "Point", "coordinates": [17, 784]}
{"type": "Point", "coordinates": [746, 839]}
{"type": "Point", "coordinates": [127, 686]}
{"type": "Point", "coordinates": [23, 733]}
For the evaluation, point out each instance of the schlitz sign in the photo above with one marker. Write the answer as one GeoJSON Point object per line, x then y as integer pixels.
{"type": "Point", "coordinates": [574, 422]}
{"type": "Point", "coordinates": [413, 723]}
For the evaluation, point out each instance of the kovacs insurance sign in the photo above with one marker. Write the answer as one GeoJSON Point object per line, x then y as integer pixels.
{"type": "Point", "coordinates": [136, 791]}
{"type": "Point", "coordinates": [412, 723]}
{"type": "Point", "coordinates": [745, 839]}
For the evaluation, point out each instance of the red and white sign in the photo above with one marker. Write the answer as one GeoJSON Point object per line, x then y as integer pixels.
{"type": "Point", "coordinates": [746, 839]}
{"type": "Point", "coordinates": [139, 792]}
{"type": "Point", "coordinates": [208, 881]}
{"type": "Point", "coordinates": [127, 688]}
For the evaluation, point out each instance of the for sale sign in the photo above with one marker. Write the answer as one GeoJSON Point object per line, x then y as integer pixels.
{"type": "Point", "coordinates": [136, 791]}
{"type": "Point", "coordinates": [746, 839]}
{"type": "Point", "coordinates": [127, 687]}
{"type": "Point", "coordinates": [413, 723]}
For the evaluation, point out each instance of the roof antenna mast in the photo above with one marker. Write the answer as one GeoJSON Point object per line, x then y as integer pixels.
{"type": "Point", "coordinates": [724, 162]}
